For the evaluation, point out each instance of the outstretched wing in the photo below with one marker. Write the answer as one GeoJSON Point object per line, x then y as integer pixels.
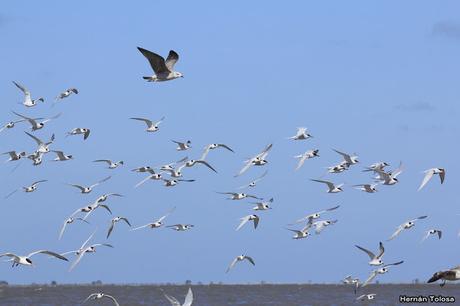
{"type": "Point", "coordinates": [156, 61]}
{"type": "Point", "coordinates": [188, 298]}
{"type": "Point", "coordinates": [171, 60]}
{"type": "Point", "coordinates": [426, 179]}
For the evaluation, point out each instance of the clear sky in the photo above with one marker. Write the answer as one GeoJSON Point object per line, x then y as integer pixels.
{"type": "Point", "coordinates": [378, 79]}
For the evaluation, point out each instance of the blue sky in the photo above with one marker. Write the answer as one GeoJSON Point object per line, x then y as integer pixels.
{"type": "Point", "coordinates": [376, 79]}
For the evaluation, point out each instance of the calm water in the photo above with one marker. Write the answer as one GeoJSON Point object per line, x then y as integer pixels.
{"type": "Point", "coordinates": [219, 295]}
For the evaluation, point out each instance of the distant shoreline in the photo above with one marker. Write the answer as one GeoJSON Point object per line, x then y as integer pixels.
{"type": "Point", "coordinates": [216, 284]}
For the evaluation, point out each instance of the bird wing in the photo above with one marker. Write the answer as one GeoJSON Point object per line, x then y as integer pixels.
{"type": "Point", "coordinates": [38, 141]}
{"type": "Point", "coordinates": [156, 61]}
{"type": "Point", "coordinates": [62, 229]}
{"type": "Point", "coordinates": [126, 220]}
{"type": "Point", "coordinates": [53, 254]}
{"type": "Point", "coordinates": [103, 160]}
{"type": "Point", "coordinates": [396, 233]}
{"type": "Point", "coordinates": [10, 194]}
{"type": "Point", "coordinates": [250, 260]}
{"type": "Point", "coordinates": [256, 222]}
{"type": "Point", "coordinates": [302, 160]}
{"type": "Point", "coordinates": [381, 249]}
{"type": "Point", "coordinates": [428, 175]}
{"type": "Point", "coordinates": [86, 135]}
{"type": "Point", "coordinates": [439, 234]}
{"type": "Point", "coordinates": [101, 181]}
{"type": "Point", "coordinates": [60, 154]}
{"type": "Point", "coordinates": [87, 240]}
{"type": "Point", "coordinates": [172, 300]}
{"type": "Point", "coordinates": [225, 146]}
{"type": "Point", "coordinates": [232, 264]}
{"type": "Point", "coordinates": [427, 234]}
{"type": "Point", "coordinates": [171, 60]}
{"type": "Point", "coordinates": [418, 218]}
{"type": "Point", "coordinates": [245, 168]}
{"type": "Point", "coordinates": [22, 88]}
{"type": "Point", "coordinates": [394, 263]}
{"type": "Point", "coordinates": [442, 175]}
{"type": "Point", "coordinates": [112, 224]}
{"type": "Point", "coordinates": [77, 186]}
{"type": "Point", "coordinates": [89, 297]}
{"type": "Point", "coordinates": [330, 185]}
{"type": "Point", "coordinates": [244, 220]}
{"type": "Point", "coordinates": [188, 298]}
{"type": "Point", "coordinates": [169, 212]}
{"type": "Point", "coordinates": [332, 208]}
{"type": "Point", "coordinates": [206, 164]}
{"type": "Point", "coordinates": [370, 278]}
{"type": "Point", "coordinates": [144, 180]}
{"type": "Point", "coordinates": [142, 226]}
{"type": "Point", "coordinates": [369, 253]}
{"type": "Point", "coordinates": [346, 156]}
{"type": "Point", "coordinates": [112, 298]}
{"type": "Point", "coordinates": [148, 122]}
{"type": "Point", "coordinates": [14, 256]}
{"type": "Point", "coordinates": [78, 259]}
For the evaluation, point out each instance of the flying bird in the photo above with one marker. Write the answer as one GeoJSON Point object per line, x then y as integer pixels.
{"type": "Point", "coordinates": [37, 125]}
{"type": "Point", "coordinates": [376, 260]}
{"type": "Point", "coordinates": [80, 131]}
{"type": "Point", "coordinates": [151, 126]}
{"type": "Point", "coordinates": [164, 69]}
{"type": "Point", "coordinates": [10, 125]}
{"type": "Point", "coordinates": [239, 196]}
{"type": "Point", "coordinates": [407, 225]}
{"type": "Point", "coordinates": [214, 146]}
{"type": "Point", "coordinates": [88, 189]}
{"type": "Point", "coordinates": [304, 156]}
{"type": "Point", "coordinates": [183, 146]}
{"type": "Point", "coordinates": [347, 158]}
{"type": "Point", "coordinates": [254, 218]}
{"type": "Point", "coordinates": [60, 156]}
{"type": "Point", "coordinates": [43, 147]}
{"type": "Point", "coordinates": [31, 188]}
{"type": "Point", "coordinates": [112, 165]}
{"type": "Point", "coordinates": [309, 218]}
{"type": "Point", "coordinates": [369, 188]}
{"type": "Point", "coordinates": [253, 183]}
{"type": "Point", "coordinates": [301, 134]}
{"type": "Point", "coordinates": [156, 224]}
{"type": "Point", "coordinates": [265, 205]}
{"type": "Point", "coordinates": [389, 178]}
{"type": "Point", "coordinates": [381, 270]}
{"type": "Point", "coordinates": [67, 222]}
{"type": "Point", "coordinates": [100, 295]}
{"type": "Point", "coordinates": [331, 187]}
{"type": "Point", "coordinates": [429, 174]}
{"type": "Point", "coordinates": [452, 274]}
{"type": "Point", "coordinates": [14, 155]}
{"type": "Point", "coordinates": [114, 221]}
{"type": "Point", "coordinates": [258, 160]}
{"type": "Point", "coordinates": [366, 297]}
{"type": "Point", "coordinates": [188, 299]}
{"type": "Point", "coordinates": [28, 101]}
{"type": "Point", "coordinates": [238, 259]}
{"type": "Point", "coordinates": [432, 232]}
{"type": "Point", "coordinates": [66, 93]}
{"type": "Point", "coordinates": [180, 227]}
{"type": "Point", "coordinates": [26, 261]}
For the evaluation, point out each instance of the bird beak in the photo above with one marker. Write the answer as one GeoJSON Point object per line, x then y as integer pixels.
{"type": "Point", "coordinates": [434, 278]}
